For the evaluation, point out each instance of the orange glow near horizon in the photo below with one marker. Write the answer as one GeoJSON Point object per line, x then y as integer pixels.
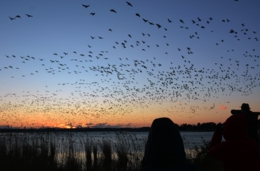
{"type": "Point", "coordinates": [65, 117]}
{"type": "Point", "coordinates": [142, 118]}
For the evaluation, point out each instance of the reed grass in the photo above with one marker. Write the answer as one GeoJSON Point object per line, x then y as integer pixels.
{"type": "Point", "coordinates": [30, 152]}
{"type": "Point", "coordinates": [203, 160]}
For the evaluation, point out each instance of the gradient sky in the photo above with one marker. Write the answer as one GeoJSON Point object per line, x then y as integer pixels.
{"type": "Point", "coordinates": [68, 65]}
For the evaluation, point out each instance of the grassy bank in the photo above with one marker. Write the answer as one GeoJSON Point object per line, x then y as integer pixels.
{"type": "Point", "coordinates": [30, 152]}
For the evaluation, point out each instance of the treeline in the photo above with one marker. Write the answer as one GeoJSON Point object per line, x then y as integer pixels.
{"type": "Point", "coordinates": [209, 126]}
{"type": "Point", "coordinates": [199, 127]}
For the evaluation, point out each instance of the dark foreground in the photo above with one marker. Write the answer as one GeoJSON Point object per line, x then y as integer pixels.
{"type": "Point", "coordinates": [41, 154]}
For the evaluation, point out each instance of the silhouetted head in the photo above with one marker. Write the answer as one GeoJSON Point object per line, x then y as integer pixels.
{"type": "Point", "coordinates": [164, 144]}
{"type": "Point", "coordinates": [245, 107]}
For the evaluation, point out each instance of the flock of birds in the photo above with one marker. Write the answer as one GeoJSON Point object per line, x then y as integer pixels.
{"type": "Point", "coordinates": [18, 16]}
{"type": "Point", "coordinates": [132, 84]}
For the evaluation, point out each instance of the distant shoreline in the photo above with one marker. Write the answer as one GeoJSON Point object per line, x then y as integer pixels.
{"type": "Point", "coordinates": [143, 129]}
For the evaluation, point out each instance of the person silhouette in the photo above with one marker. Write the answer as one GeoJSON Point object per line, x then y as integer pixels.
{"type": "Point", "coordinates": [164, 149]}
{"type": "Point", "coordinates": [239, 151]}
{"type": "Point", "coordinates": [251, 119]}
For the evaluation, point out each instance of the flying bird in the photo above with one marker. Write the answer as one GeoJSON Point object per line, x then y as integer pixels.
{"type": "Point", "coordinates": [11, 18]}
{"type": "Point", "coordinates": [128, 3]}
{"type": "Point", "coordinates": [28, 15]}
{"type": "Point", "coordinates": [145, 20]}
{"type": "Point", "coordinates": [158, 25]}
{"type": "Point", "coordinates": [86, 6]}
{"type": "Point", "coordinates": [112, 10]}
{"type": "Point", "coordinates": [231, 31]}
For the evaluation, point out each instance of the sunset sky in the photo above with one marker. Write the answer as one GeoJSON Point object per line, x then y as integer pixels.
{"type": "Point", "coordinates": [122, 64]}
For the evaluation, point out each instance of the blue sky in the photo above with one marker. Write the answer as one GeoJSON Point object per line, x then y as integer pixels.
{"type": "Point", "coordinates": [189, 69]}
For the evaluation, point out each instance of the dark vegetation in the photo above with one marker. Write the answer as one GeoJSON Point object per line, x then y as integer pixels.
{"type": "Point", "coordinates": [42, 152]}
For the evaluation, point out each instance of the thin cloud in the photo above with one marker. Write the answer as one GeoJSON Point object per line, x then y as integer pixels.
{"type": "Point", "coordinates": [89, 124]}
{"type": "Point", "coordinates": [223, 107]}
{"type": "Point", "coordinates": [100, 125]}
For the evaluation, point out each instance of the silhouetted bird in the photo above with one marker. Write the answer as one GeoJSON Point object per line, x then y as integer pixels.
{"type": "Point", "coordinates": [86, 6]}
{"type": "Point", "coordinates": [128, 3]}
{"type": "Point", "coordinates": [145, 20]}
{"type": "Point", "coordinates": [112, 10]}
{"type": "Point", "coordinates": [28, 15]}
{"type": "Point", "coordinates": [158, 25]}
{"type": "Point", "coordinates": [231, 31]}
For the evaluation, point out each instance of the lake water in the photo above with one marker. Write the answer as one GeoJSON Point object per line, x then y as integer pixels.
{"type": "Point", "coordinates": [190, 139]}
